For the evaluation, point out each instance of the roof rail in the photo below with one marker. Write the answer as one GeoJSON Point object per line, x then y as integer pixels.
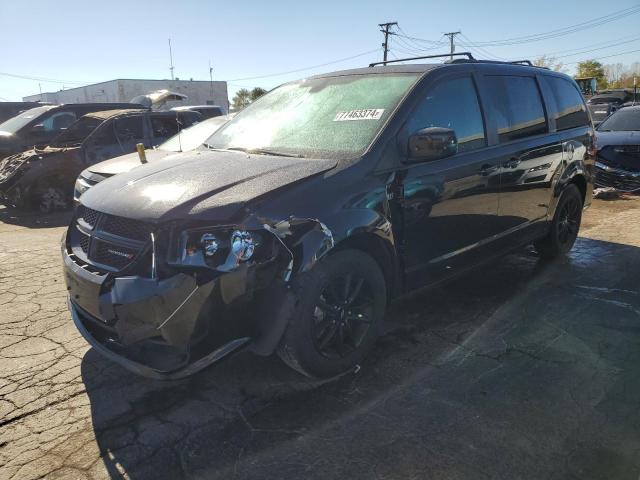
{"type": "Point", "coordinates": [509, 62]}
{"type": "Point", "coordinates": [467, 54]}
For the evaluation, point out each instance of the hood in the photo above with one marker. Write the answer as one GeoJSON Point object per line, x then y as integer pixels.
{"type": "Point", "coordinates": [124, 163]}
{"type": "Point", "coordinates": [200, 184]}
{"type": "Point", "coordinates": [605, 139]}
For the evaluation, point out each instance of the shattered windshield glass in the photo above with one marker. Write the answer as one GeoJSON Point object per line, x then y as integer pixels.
{"type": "Point", "coordinates": [331, 117]}
{"type": "Point", "coordinates": [77, 132]}
{"type": "Point", "coordinates": [16, 123]}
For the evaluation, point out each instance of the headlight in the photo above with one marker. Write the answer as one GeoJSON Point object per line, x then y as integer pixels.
{"type": "Point", "coordinates": [218, 248]}
{"type": "Point", "coordinates": [80, 187]}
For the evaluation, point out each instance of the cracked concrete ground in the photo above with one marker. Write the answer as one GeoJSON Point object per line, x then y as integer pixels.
{"type": "Point", "coordinates": [519, 370]}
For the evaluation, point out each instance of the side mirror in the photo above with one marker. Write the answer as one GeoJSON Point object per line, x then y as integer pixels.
{"type": "Point", "coordinates": [432, 144]}
{"type": "Point", "coordinates": [39, 128]}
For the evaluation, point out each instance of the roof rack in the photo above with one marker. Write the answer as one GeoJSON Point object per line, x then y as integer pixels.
{"type": "Point", "coordinates": [466, 54]}
{"type": "Point", "coordinates": [511, 62]}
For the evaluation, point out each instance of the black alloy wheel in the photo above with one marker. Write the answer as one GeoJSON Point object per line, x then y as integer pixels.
{"type": "Point", "coordinates": [342, 316]}
{"type": "Point", "coordinates": [338, 315]}
{"type": "Point", "coordinates": [565, 225]}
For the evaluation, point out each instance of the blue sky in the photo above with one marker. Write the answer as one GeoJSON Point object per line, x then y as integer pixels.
{"type": "Point", "coordinates": [74, 42]}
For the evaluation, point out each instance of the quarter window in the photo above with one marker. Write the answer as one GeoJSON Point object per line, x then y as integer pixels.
{"type": "Point", "coordinates": [452, 104]}
{"type": "Point", "coordinates": [517, 108]}
{"type": "Point", "coordinates": [571, 111]}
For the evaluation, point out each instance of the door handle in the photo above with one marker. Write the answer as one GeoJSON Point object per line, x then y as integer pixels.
{"type": "Point", "coordinates": [488, 169]}
{"type": "Point", "coordinates": [512, 163]}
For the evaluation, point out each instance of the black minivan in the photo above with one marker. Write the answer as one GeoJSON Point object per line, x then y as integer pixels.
{"type": "Point", "coordinates": [297, 222]}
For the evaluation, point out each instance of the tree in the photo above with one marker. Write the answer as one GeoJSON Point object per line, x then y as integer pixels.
{"type": "Point", "coordinates": [592, 68]}
{"type": "Point", "coordinates": [549, 62]}
{"type": "Point", "coordinates": [241, 99]}
{"type": "Point", "coordinates": [256, 93]}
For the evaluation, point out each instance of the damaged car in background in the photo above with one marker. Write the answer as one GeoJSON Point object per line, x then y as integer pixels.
{"type": "Point", "coordinates": [183, 141]}
{"type": "Point", "coordinates": [618, 158]}
{"type": "Point", "coordinates": [319, 203]}
{"type": "Point", "coordinates": [44, 177]}
{"type": "Point", "coordinates": [38, 126]}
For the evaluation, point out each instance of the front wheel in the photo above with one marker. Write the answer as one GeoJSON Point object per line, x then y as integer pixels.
{"type": "Point", "coordinates": [565, 225]}
{"type": "Point", "coordinates": [341, 306]}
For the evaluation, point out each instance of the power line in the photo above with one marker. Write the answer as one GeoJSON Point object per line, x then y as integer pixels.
{"type": "Point", "coordinates": [40, 79]}
{"type": "Point", "coordinates": [562, 31]}
{"type": "Point", "coordinates": [305, 68]}
{"type": "Point", "coordinates": [606, 56]}
{"type": "Point", "coordinates": [536, 37]}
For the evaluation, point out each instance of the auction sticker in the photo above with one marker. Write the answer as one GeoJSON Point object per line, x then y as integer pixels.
{"type": "Point", "coordinates": [363, 114]}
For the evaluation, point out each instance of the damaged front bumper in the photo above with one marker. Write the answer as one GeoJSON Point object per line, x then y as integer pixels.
{"type": "Point", "coordinates": [618, 178]}
{"type": "Point", "coordinates": [157, 328]}
{"type": "Point", "coordinates": [171, 325]}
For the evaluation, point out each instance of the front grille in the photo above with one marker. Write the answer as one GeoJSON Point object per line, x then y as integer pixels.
{"type": "Point", "coordinates": [89, 216]}
{"type": "Point", "coordinates": [124, 227]}
{"type": "Point", "coordinates": [108, 242]}
{"type": "Point", "coordinates": [618, 180]}
{"type": "Point", "coordinates": [84, 242]}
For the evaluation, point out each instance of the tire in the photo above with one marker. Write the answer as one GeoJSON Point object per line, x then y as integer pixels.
{"type": "Point", "coordinates": [307, 345]}
{"type": "Point", "coordinates": [52, 198]}
{"type": "Point", "coordinates": [564, 227]}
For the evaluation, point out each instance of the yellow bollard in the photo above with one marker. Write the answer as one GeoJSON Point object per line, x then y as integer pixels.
{"type": "Point", "coordinates": [141, 154]}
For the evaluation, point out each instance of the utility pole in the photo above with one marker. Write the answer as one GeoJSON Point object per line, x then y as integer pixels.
{"type": "Point", "coordinates": [385, 29]}
{"type": "Point", "coordinates": [451, 36]}
{"type": "Point", "coordinates": [170, 60]}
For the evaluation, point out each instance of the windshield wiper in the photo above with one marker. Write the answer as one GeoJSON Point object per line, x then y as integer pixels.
{"type": "Point", "coordinates": [264, 151]}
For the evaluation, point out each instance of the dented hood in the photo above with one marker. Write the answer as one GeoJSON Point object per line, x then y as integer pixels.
{"type": "Point", "coordinates": [210, 185]}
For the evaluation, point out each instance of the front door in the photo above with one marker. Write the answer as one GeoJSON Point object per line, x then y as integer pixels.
{"type": "Point", "coordinates": [449, 206]}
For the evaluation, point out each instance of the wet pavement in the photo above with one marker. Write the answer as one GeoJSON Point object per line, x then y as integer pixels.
{"type": "Point", "coordinates": [523, 369]}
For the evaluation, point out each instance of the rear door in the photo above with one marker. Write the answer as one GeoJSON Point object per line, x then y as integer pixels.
{"type": "Point", "coordinates": [529, 156]}
{"type": "Point", "coordinates": [449, 206]}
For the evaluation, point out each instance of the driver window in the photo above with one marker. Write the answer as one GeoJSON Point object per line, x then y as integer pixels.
{"type": "Point", "coordinates": [452, 104]}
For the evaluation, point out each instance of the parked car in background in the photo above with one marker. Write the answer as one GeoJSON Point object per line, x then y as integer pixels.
{"type": "Point", "coordinates": [44, 178]}
{"type": "Point", "coordinates": [183, 141]}
{"type": "Point", "coordinates": [600, 111]}
{"type": "Point", "coordinates": [207, 111]}
{"type": "Point", "coordinates": [618, 144]}
{"type": "Point", "coordinates": [38, 126]}
{"type": "Point", "coordinates": [11, 109]}
{"type": "Point", "coordinates": [319, 203]}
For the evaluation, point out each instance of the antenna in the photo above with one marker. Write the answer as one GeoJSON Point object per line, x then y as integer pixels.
{"type": "Point", "coordinates": [211, 79]}
{"type": "Point", "coordinates": [171, 59]}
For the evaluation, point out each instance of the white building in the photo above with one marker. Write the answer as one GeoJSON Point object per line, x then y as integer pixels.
{"type": "Point", "coordinates": [198, 92]}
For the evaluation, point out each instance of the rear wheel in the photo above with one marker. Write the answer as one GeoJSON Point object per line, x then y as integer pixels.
{"type": "Point", "coordinates": [341, 306]}
{"type": "Point", "coordinates": [565, 225]}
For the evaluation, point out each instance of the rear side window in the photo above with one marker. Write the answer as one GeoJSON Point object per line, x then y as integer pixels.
{"type": "Point", "coordinates": [517, 108]}
{"type": "Point", "coordinates": [164, 127]}
{"type": "Point", "coordinates": [129, 128]}
{"type": "Point", "coordinates": [452, 104]}
{"type": "Point", "coordinates": [571, 109]}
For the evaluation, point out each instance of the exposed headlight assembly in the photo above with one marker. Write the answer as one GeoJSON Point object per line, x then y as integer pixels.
{"type": "Point", "coordinates": [221, 249]}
